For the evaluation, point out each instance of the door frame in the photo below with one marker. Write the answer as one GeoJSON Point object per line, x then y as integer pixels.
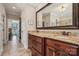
{"type": "Point", "coordinates": [20, 22]}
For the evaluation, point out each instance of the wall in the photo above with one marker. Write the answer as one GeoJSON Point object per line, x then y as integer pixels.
{"type": "Point", "coordinates": [2, 34]}
{"type": "Point", "coordinates": [40, 6]}
{"type": "Point", "coordinates": [15, 17]}
{"type": "Point", "coordinates": [28, 23]}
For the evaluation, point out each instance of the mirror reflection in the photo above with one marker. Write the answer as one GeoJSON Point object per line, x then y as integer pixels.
{"type": "Point", "coordinates": [56, 14]}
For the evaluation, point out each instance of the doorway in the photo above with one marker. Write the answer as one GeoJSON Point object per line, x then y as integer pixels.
{"type": "Point", "coordinates": [14, 28]}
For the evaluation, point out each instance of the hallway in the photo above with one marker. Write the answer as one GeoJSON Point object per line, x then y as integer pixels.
{"type": "Point", "coordinates": [15, 48]}
{"type": "Point", "coordinates": [16, 19]}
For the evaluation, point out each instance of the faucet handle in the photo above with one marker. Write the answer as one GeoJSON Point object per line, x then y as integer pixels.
{"type": "Point", "coordinates": [68, 33]}
{"type": "Point", "coordinates": [63, 33]}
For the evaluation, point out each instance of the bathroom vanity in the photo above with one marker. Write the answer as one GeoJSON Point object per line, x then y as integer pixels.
{"type": "Point", "coordinates": [42, 44]}
{"type": "Point", "coordinates": [55, 16]}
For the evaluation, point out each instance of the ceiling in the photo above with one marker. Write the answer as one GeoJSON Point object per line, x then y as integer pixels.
{"type": "Point", "coordinates": [19, 7]}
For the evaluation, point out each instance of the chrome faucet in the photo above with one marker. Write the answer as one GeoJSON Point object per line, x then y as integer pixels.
{"type": "Point", "coordinates": [66, 33]}
{"type": "Point", "coordinates": [63, 33]}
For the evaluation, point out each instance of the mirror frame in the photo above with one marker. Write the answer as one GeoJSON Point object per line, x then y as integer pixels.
{"type": "Point", "coordinates": [75, 18]}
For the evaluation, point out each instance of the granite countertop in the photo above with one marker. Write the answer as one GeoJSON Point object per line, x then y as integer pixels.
{"type": "Point", "coordinates": [69, 39]}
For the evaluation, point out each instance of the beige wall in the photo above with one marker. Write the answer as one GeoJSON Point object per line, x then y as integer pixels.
{"type": "Point", "coordinates": [15, 17]}
{"type": "Point", "coordinates": [40, 6]}
{"type": "Point", "coordinates": [28, 23]}
{"type": "Point", "coordinates": [3, 38]}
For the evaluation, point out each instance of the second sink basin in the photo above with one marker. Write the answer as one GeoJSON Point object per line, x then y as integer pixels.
{"type": "Point", "coordinates": [62, 37]}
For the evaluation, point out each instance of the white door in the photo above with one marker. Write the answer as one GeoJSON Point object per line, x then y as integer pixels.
{"type": "Point", "coordinates": [1, 34]}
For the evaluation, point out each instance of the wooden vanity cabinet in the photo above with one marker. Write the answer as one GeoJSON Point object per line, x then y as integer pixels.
{"type": "Point", "coordinates": [41, 46]}
{"type": "Point", "coordinates": [30, 41]}
{"type": "Point", "coordinates": [58, 48]}
{"type": "Point", "coordinates": [36, 44]}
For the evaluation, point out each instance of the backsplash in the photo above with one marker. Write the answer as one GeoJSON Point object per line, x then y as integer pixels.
{"type": "Point", "coordinates": [73, 32]}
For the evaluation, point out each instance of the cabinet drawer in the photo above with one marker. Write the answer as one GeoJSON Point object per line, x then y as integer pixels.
{"type": "Point", "coordinates": [29, 43]}
{"type": "Point", "coordinates": [35, 53]}
{"type": "Point", "coordinates": [30, 36]}
{"type": "Point", "coordinates": [52, 43]}
{"type": "Point", "coordinates": [37, 46]}
{"type": "Point", "coordinates": [37, 39]}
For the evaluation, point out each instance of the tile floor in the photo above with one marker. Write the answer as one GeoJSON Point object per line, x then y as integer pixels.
{"type": "Point", "coordinates": [15, 48]}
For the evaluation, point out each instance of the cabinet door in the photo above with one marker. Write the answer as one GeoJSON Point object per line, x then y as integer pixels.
{"type": "Point", "coordinates": [60, 48]}
{"type": "Point", "coordinates": [63, 53]}
{"type": "Point", "coordinates": [50, 51]}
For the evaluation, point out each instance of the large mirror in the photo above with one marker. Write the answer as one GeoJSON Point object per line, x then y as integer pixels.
{"type": "Point", "coordinates": [57, 15]}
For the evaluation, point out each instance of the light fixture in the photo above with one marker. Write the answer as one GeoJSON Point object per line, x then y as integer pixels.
{"type": "Point", "coordinates": [14, 7]}
{"type": "Point", "coordinates": [62, 8]}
